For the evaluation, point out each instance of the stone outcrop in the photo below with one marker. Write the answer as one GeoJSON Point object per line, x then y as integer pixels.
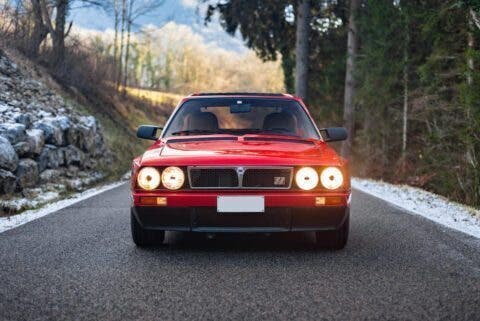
{"type": "Point", "coordinates": [43, 140]}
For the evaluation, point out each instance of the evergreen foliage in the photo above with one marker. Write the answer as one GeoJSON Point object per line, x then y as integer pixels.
{"type": "Point", "coordinates": [422, 52]}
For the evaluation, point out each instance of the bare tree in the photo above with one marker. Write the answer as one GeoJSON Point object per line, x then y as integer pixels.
{"type": "Point", "coordinates": [115, 38]}
{"type": "Point", "coordinates": [302, 48]}
{"type": "Point", "coordinates": [122, 43]}
{"type": "Point", "coordinates": [127, 49]}
{"type": "Point", "coordinates": [57, 30]}
{"type": "Point", "coordinates": [136, 9]}
{"type": "Point", "coordinates": [39, 32]}
{"type": "Point", "coordinates": [349, 94]}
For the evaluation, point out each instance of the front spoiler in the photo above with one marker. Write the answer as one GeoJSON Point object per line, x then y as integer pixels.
{"type": "Point", "coordinates": [274, 219]}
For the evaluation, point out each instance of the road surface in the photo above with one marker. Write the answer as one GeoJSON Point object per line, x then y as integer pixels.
{"type": "Point", "coordinates": [80, 264]}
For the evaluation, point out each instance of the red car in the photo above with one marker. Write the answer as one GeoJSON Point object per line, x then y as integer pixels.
{"type": "Point", "coordinates": [241, 162]}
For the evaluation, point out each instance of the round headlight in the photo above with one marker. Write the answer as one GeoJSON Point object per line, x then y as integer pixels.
{"type": "Point", "coordinates": [173, 177]}
{"type": "Point", "coordinates": [306, 178]}
{"type": "Point", "coordinates": [148, 178]}
{"type": "Point", "coordinates": [331, 178]}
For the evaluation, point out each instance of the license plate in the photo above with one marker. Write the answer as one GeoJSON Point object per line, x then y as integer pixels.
{"type": "Point", "coordinates": [240, 204]}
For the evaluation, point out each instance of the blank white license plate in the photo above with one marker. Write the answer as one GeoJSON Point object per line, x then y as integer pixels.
{"type": "Point", "coordinates": [240, 204]}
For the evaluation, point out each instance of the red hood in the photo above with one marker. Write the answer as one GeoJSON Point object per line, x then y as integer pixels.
{"type": "Point", "coordinates": [245, 150]}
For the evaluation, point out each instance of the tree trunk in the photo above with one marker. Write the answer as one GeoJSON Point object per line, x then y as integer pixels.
{"type": "Point", "coordinates": [39, 32]}
{"type": "Point", "coordinates": [302, 48]}
{"type": "Point", "coordinates": [115, 41]}
{"type": "Point", "coordinates": [349, 94]}
{"type": "Point", "coordinates": [471, 47]}
{"type": "Point", "coordinates": [405, 85]}
{"type": "Point", "coordinates": [58, 32]}
{"type": "Point", "coordinates": [58, 39]}
{"type": "Point", "coordinates": [474, 18]}
{"type": "Point", "coordinates": [127, 49]}
{"type": "Point", "coordinates": [122, 41]}
{"type": "Point", "coordinates": [288, 69]}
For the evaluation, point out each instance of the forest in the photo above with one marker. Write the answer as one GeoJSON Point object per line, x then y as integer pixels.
{"type": "Point", "coordinates": [402, 76]}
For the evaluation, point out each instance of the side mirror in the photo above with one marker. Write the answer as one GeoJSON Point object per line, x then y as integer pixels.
{"type": "Point", "coordinates": [334, 134]}
{"type": "Point", "coordinates": [147, 132]}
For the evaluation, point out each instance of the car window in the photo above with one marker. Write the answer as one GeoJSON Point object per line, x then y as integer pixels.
{"type": "Point", "coordinates": [240, 117]}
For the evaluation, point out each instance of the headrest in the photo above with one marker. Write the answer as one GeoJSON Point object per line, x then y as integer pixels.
{"type": "Point", "coordinates": [281, 120]}
{"type": "Point", "coordinates": [202, 121]}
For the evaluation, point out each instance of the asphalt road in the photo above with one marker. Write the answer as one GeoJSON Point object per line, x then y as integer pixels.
{"type": "Point", "coordinates": [80, 264]}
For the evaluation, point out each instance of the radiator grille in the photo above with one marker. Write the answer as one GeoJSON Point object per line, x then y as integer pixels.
{"type": "Point", "coordinates": [213, 178]}
{"type": "Point", "coordinates": [240, 177]}
{"type": "Point", "coordinates": [267, 178]}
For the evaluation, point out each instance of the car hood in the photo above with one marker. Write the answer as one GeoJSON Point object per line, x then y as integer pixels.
{"type": "Point", "coordinates": [228, 150]}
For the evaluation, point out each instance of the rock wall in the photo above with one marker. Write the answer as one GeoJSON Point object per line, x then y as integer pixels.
{"type": "Point", "coordinates": [42, 139]}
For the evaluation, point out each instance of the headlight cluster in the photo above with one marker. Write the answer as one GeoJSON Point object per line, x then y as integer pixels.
{"type": "Point", "coordinates": [307, 178]}
{"type": "Point", "coordinates": [149, 178]}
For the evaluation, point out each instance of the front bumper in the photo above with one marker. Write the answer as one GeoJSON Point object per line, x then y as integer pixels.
{"type": "Point", "coordinates": [284, 212]}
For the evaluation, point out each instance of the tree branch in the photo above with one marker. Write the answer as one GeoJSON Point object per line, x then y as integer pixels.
{"type": "Point", "coordinates": [68, 29]}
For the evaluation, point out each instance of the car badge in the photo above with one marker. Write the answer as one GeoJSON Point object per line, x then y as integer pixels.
{"type": "Point", "coordinates": [279, 180]}
{"type": "Point", "coordinates": [240, 170]}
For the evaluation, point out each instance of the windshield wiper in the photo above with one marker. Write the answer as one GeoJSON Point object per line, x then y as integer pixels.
{"type": "Point", "coordinates": [196, 131]}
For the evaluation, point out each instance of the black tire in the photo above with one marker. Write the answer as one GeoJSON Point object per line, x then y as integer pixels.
{"type": "Point", "coordinates": [142, 237]}
{"type": "Point", "coordinates": [334, 240]}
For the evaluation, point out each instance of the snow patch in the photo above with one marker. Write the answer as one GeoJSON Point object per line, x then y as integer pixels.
{"type": "Point", "coordinates": [7, 223]}
{"type": "Point", "coordinates": [431, 206]}
{"type": "Point", "coordinates": [3, 108]}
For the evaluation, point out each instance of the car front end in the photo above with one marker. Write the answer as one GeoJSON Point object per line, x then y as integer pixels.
{"type": "Point", "coordinates": [235, 181]}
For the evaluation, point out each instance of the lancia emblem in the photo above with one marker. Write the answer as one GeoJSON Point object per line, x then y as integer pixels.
{"type": "Point", "coordinates": [279, 180]}
{"type": "Point", "coordinates": [240, 170]}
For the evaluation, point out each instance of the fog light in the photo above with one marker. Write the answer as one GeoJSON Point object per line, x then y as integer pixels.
{"type": "Point", "coordinates": [329, 200]}
{"type": "Point", "coordinates": [152, 201]}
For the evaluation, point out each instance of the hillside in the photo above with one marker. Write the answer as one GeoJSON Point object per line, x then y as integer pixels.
{"type": "Point", "coordinates": [56, 141]}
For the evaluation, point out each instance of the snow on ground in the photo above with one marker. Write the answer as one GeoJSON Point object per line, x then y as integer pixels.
{"type": "Point", "coordinates": [9, 222]}
{"type": "Point", "coordinates": [431, 206]}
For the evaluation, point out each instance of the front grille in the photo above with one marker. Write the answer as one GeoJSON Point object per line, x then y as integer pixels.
{"type": "Point", "coordinates": [267, 177]}
{"type": "Point", "coordinates": [213, 177]}
{"type": "Point", "coordinates": [240, 177]}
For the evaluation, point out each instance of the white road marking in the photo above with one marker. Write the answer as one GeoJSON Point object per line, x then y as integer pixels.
{"type": "Point", "coordinates": [10, 222]}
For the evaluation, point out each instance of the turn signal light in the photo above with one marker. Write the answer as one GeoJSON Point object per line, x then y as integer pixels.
{"type": "Point", "coordinates": [152, 201]}
{"type": "Point", "coordinates": [328, 200]}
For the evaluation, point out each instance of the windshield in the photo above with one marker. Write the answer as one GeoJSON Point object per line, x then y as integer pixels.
{"type": "Point", "coordinates": [239, 116]}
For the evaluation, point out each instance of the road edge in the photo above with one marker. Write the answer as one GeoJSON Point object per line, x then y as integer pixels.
{"type": "Point", "coordinates": [11, 222]}
{"type": "Point", "coordinates": [412, 200]}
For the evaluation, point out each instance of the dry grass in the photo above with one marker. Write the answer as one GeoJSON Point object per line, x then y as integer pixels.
{"type": "Point", "coordinates": [154, 97]}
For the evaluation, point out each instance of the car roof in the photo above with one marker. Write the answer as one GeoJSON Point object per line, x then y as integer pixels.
{"type": "Point", "coordinates": [241, 94]}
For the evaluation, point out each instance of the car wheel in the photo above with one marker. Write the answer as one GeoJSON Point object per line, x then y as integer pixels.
{"type": "Point", "coordinates": [142, 237]}
{"type": "Point", "coordinates": [335, 240]}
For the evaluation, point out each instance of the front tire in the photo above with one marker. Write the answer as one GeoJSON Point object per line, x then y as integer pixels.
{"type": "Point", "coordinates": [334, 240]}
{"type": "Point", "coordinates": [143, 237]}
